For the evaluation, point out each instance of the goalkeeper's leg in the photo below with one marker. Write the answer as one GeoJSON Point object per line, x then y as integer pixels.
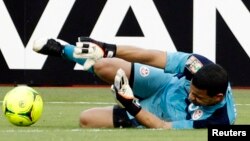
{"type": "Point", "coordinates": [106, 117]}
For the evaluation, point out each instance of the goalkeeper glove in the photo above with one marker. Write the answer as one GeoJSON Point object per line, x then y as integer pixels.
{"type": "Point", "coordinates": [92, 51]}
{"type": "Point", "coordinates": [124, 94]}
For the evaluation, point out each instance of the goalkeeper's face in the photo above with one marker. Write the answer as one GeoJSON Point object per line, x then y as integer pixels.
{"type": "Point", "coordinates": [200, 97]}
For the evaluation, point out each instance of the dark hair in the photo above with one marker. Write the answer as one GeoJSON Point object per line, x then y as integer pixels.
{"type": "Point", "coordinates": [211, 77]}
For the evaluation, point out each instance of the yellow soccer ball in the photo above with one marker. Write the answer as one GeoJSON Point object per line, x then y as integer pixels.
{"type": "Point", "coordinates": [22, 106]}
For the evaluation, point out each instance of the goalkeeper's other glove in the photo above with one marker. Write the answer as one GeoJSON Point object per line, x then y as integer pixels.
{"type": "Point", "coordinates": [124, 94]}
{"type": "Point", "coordinates": [92, 51]}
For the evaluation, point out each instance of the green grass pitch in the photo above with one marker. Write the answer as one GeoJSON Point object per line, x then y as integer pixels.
{"type": "Point", "coordinates": [62, 106]}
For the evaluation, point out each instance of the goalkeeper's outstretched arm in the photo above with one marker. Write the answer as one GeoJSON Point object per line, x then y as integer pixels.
{"type": "Point", "coordinates": [125, 98]}
{"type": "Point", "coordinates": [94, 50]}
{"type": "Point", "coordinates": [151, 121]}
{"type": "Point", "coordinates": [150, 57]}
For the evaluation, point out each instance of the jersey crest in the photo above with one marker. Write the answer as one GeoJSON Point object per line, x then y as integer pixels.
{"type": "Point", "coordinates": [195, 111]}
{"type": "Point", "coordinates": [197, 114]}
{"type": "Point", "coordinates": [144, 71]}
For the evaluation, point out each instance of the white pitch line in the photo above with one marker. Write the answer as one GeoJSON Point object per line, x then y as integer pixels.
{"type": "Point", "coordinates": [67, 130]}
{"type": "Point", "coordinates": [44, 130]}
{"type": "Point", "coordinates": [103, 103]}
{"type": "Point", "coordinates": [22, 131]}
{"type": "Point", "coordinates": [81, 102]}
{"type": "Point", "coordinates": [242, 104]}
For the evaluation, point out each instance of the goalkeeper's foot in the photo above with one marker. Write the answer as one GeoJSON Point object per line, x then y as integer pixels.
{"type": "Point", "coordinates": [49, 46]}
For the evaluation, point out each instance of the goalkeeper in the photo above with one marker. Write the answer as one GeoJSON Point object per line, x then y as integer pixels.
{"type": "Point", "coordinates": [153, 89]}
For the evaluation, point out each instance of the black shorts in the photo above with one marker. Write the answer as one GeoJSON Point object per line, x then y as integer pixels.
{"type": "Point", "coordinates": [121, 119]}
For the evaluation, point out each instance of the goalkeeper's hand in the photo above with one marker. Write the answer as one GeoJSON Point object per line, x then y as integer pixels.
{"type": "Point", "coordinates": [92, 51]}
{"type": "Point", "coordinates": [124, 94]}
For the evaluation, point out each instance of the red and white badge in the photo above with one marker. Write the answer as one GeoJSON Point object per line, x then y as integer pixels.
{"type": "Point", "coordinates": [144, 71]}
{"type": "Point", "coordinates": [197, 114]}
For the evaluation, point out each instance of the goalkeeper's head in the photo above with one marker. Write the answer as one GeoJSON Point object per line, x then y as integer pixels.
{"type": "Point", "coordinates": [212, 80]}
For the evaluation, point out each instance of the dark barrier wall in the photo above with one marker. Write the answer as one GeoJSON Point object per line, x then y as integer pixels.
{"type": "Point", "coordinates": [219, 30]}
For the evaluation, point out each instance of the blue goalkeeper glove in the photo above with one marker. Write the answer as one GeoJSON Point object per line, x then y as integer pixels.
{"type": "Point", "coordinates": [124, 94]}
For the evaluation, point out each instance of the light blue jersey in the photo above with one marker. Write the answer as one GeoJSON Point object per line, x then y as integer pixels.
{"type": "Point", "coordinates": [165, 94]}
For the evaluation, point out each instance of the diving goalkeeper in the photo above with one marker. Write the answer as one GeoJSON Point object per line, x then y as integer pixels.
{"type": "Point", "coordinates": [153, 89]}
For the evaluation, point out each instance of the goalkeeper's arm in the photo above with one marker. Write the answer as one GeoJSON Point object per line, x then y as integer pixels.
{"type": "Point", "coordinates": [145, 118]}
{"type": "Point", "coordinates": [151, 57]}
{"type": "Point", "coordinates": [151, 121]}
{"type": "Point", "coordinates": [125, 98]}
